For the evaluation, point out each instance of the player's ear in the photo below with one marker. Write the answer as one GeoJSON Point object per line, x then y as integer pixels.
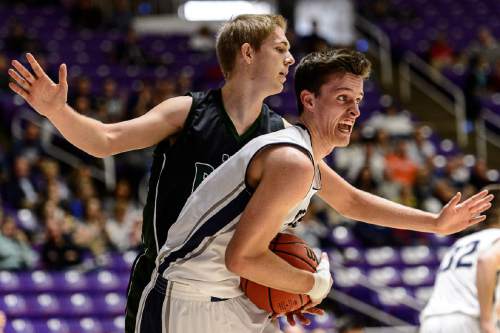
{"type": "Point", "coordinates": [308, 99]}
{"type": "Point", "coordinates": [247, 52]}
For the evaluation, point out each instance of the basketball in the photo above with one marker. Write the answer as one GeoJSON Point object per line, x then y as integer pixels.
{"type": "Point", "coordinates": [297, 253]}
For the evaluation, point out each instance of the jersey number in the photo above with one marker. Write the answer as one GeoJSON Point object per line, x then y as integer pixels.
{"type": "Point", "coordinates": [457, 260]}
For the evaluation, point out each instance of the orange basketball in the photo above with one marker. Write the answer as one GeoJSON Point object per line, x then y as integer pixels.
{"type": "Point", "coordinates": [297, 253]}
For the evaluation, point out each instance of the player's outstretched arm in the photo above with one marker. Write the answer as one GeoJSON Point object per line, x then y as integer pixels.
{"type": "Point", "coordinates": [488, 265]}
{"type": "Point", "coordinates": [347, 200]}
{"type": "Point", "coordinates": [92, 136]}
{"type": "Point", "coordinates": [282, 177]}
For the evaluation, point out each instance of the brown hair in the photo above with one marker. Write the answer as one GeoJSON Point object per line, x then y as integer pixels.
{"type": "Point", "coordinates": [315, 68]}
{"type": "Point", "coordinates": [247, 28]}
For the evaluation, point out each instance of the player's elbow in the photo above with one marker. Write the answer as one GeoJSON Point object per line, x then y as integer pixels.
{"type": "Point", "coordinates": [235, 263]}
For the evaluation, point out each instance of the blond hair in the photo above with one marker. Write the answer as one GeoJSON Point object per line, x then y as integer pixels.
{"type": "Point", "coordinates": [247, 28]}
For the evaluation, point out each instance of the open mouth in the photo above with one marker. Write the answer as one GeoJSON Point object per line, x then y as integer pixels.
{"type": "Point", "coordinates": [344, 128]}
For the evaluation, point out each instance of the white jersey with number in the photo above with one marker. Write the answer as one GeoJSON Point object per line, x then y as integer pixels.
{"type": "Point", "coordinates": [455, 288]}
{"type": "Point", "coordinates": [194, 251]}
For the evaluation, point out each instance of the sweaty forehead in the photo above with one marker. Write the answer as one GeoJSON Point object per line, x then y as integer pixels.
{"type": "Point", "coordinates": [347, 82]}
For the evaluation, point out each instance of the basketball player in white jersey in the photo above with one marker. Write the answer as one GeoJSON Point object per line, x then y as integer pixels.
{"type": "Point", "coordinates": [224, 230]}
{"type": "Point", "coordinates": [466, 287]}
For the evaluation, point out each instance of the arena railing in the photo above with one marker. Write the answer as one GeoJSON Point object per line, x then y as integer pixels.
{"type": "Point", "coordinates": [484, 134]}
{"type": "Point", "coordinates": [106, 174]}
{"type": "Point", "coordinates": [380, 47]}
{"type": "Point", "coordinates": [415, 71]}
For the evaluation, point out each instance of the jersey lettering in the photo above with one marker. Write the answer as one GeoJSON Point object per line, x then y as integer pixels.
{"type": "Point", "coordinates": [202, 170]}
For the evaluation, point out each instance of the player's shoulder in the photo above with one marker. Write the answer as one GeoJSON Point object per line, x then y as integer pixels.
{"type": "Point", "coordinates": [289, 158]}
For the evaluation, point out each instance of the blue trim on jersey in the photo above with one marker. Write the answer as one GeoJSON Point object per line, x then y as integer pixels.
{"type": "Point", "coordinates": [210, 228]}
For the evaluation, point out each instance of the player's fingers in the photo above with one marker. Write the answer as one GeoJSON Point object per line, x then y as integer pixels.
{"type": "Point", "coordinates": [63, 74]}
{"type": "Point", "coordinates": [477, 219]}
{"type": "Point", "coordinates": [454, 200]}
{"type": "Point", "coordinates": [18, 90]}
{"type": "Point", "coordinates": [315, 311]}
{"type": "Point", "coordinates": [35, 65]}
{"type": "Point", "coordinates": [302, 318]}
{"type": "Point", "coordinates": [23, 71]}
{"type": "Point", "coordinates": [472, 200]}
{"type": "Point", "coordinates": [481, 202]}
{"type": "Point", "coordinates": [479, 209]}
{"type": "Point", "coordinates": [19, 79]}
{"type": "Point", "coordinates": [290, 318]}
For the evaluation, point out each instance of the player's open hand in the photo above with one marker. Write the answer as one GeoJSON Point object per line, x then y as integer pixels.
{"type": "Point", "coordinates": [455, 216]}
{"type": "Point", "coordinates": [45, 96]}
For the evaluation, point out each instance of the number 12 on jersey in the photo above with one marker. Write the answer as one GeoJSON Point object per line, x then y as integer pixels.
{"type": "Point", "coordinates": [459, 256]}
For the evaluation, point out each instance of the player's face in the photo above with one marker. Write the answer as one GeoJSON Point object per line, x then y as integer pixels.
{"type": "Point", "coordinates": [272, 61]}
{"type": "Point", "coordinates": [337, 107]}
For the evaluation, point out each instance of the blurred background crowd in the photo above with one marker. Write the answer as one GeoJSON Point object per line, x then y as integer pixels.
{"type": "Point", "coordinates": [62, 209]}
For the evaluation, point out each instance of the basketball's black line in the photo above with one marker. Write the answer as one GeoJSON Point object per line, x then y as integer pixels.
{"type": "Point", "coordinates": [301, 300]}
{"type": "Point", "coordinates": [296, 256]}
{"type": "Point", "coordinates": [270, 299]}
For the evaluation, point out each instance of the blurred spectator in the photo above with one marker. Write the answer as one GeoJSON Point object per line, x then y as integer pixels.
{"type": "Point", "coordinates": [112, 101]}
{"type": "Point", "coordinates": [478, 176]}
{"type": "Point", "coordinates": [476, 79]}
{"type": "Point", "coordinates": [83, 88]}
{"type": "Point", "coordinates": [122, 17]}
{"type": "Point", "coordinates": [84, 14]}
{"type": "Point", "coordinates": [84, 190]}
{"type": "Point", "coordinates": [52, 181]}
{"type": "Point", "coordinates": [440, 52]}
{"type": "Point", "coordinates": [165, 89]}
{"type": "Point", "coordinates": [424, 191]}
{"type": "Point", "coordinates": [4, 79]}
{"type": "Point", "coordinates": [140, 101]}
{"type": "Point", "coordinates": [365, 181]}
{"type": "Point", "coordinates": [19, 191]}
{"type": "Point", "coordinates": [92, 234]}
{"type": "Point", "coordinates": [128, 51]}
{"type": "Point", "coordinates": [485, 47]}
{"type": "Point", "coordinates": [15, 250]}
{"type": "Point", "coordinates": [421, 150]}
{"type": "Point", "coordinates": [313, 42]}
{"type": "Point", "coordinates": [494, 78]}
{"type": "Point", "coordinates": [310, 228]}
{"type": "Point", "coordinates": [59, 250]}
{"type": "Point", "coordinates": [202, 40]}
{"type": "Point", "coordinates": [121, 228]}
{"type": "Point", "coordinates": [185, 82]}
{"type": "Point", "coordinates": [399, 166]}
{"type": "Point", "coordinates": [84, 107]}
{"type": "Point", "coordinates": [30, 145]}
{"type": "Point", "coordinates": [17, 41]}
{"type": "Point", "coordinates": [393, 121]}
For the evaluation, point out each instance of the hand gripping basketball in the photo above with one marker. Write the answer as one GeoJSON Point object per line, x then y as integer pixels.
{"type": "Point", "coordinates": [322, 281]}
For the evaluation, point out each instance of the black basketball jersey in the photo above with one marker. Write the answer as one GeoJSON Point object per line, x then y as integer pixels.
{"type": "Point", "coordinates": [207, 139]}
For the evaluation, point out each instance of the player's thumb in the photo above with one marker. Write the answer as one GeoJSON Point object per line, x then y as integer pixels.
{"type": "Point", "coordinates": [63, 74]}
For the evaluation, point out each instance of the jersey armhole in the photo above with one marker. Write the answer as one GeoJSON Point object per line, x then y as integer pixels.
{"type": "Point", "coordinates": [269, 145]}
{"type": "Point", "coordinates": [195, 95]}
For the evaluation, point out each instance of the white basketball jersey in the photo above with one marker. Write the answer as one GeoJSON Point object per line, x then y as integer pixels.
{"type": "Point", "coordinates": [194, 251]}
{"type": "Point", "coordinates": [455, 288]}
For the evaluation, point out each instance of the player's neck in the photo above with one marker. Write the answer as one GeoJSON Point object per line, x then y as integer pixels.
{"type": "Point", "coordinates": [321, 146]}
{"type": "Point", "coordinates": [242, 103]}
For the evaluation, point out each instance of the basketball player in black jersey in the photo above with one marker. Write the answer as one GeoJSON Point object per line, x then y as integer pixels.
{"type": "Point", "coordinates": [197, 132]}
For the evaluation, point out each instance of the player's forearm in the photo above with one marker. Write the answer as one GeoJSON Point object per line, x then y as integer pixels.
{"type": "Point", "coordinates": [85, 133]}
{"type": "Point", "coordinates": [373, 209]}
{"type": "Point", "coordinates": [270, 270]}
{"type": "Point", "coordinates": [485, 282]}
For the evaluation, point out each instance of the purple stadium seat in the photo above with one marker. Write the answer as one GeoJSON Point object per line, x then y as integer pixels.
{"type": "Point", "coordinates": [110, 304]}
{"type": "Point", "coordinates": [417, 255]}
{"type": "Point", "coordinates": [44, 305]}
{"type": "Point", "coordinates": [343, 237]}
{"type": "Point", "coordinates": [418, 276]}
{"type": "Point", "coordinates": [77, 305]}
{"type": "Point", "coordinates": [104, 281]}
{"type": "Point", "coordinates": [9, 282]}
{"type": "Point", "coordinates": [423, 294]}
{"type": "Point", "coordinates": [86, 325]}
{"type": "Point", "coordinates": [13, 305]}
{"type": "Point", "coordinates": [382, 256]}
{"type": "Point", "coordinates": [20, 326]}
{"type": "Point", "coordinates": [115, 325]}
{"type": "Point", "coordinates": [385, 276]}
